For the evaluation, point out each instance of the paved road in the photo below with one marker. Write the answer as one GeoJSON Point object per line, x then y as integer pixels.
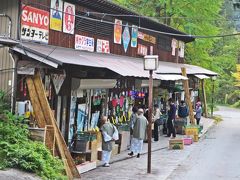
{"type": "Point", "coordinates": [218, 156]}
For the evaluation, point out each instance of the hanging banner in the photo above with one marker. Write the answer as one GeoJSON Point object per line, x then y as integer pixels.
{"type": "Point", "coordinates": [126, 37]}
{"type": "Point", "coordinates": [142, 50]}
{"type": "Point", "coordinates": [58, 80]}
{"type": "Point", "coordinates": [103, 46]}
{"type": "Point", "coordinates": [56, 15]}
{"type": "Point", "coordinates": [118, 31]}
{"type": "Point", "coordinates": [174, 46]}
{"type": "Point", "coordinates": [151, 50]}
{"type": "Point", "coordinates": [146, 37]}
{"type": "Point", "coordinates": [68, 18]}
{"type": "Point", "coordinates": [181, 49]}
{"type": "Point", "coordinates": [34, 24]}
{"type": "Point", "coordinates": [134, 36]}
{"type": "Point", "coordinates": [84, 43]}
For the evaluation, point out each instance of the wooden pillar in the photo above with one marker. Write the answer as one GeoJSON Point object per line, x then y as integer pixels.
{"type": "Point", "coordinates": [187, 95]}
{"type": "Point", "coordinates": [204, 99]}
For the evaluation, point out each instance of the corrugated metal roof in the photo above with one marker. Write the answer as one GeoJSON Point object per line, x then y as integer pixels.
{"type": "Point", "coordinates": [123, 65]}
{"type": "Point", "coordinates": [202, 76]}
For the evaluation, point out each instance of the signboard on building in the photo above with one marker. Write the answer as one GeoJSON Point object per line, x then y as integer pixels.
{"type": "Point", "coordinates": [118, 31]}
{"type": "Point", "coordinates": [34, 24]}
{"type": "Point", "coordinates": [174, 46]}
{"type": "Point", "coordinates": [151, 50]}
{"type": "Point", "coordinates": [142, 50]}
{"type": "Point", "coordinates": [103, 46]}
{"type": "Point", "coordinates": [134, 36]}
{"type": "Point", "coordinates": [56, 15]}
{"type": "Point", "coordinates": [146, 37]}
{"type": "Point", "coordinates": [84, 43]}
{"type": "Point", "coordinates": [126, 37]}
{"type": "Point", "coordinates": [68, 18]}
{"type": "Point", "coordinates": [181, 49]}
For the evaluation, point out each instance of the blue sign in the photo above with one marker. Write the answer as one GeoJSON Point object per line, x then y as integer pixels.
{"type": "Point", "coordinates": [126, 37]}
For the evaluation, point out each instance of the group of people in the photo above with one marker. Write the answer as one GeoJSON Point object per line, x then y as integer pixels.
{"type": "Point", "coordinates": [138, 127]}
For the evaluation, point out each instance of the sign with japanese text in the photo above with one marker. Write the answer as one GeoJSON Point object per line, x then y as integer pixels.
{"type": "Point", "coordinates": [174, 46]}
{"type": "Point", "coordinates": [84, 43]}
{"type": "Point", "coordinates": [134, 36]}
{"type": "Point", "coordinates": [103, 46]}
{"type": "Point", "coordinates": [181, 49]}
{"type": "Point", "coordinates": [142, 50]}
{"type": "Point", "coordinates": [146, 37]}
{"type": "Point", "coordinates": [118, 31]}
{"type": "Point", "coordinates": [126, 37]}
{"type": "Point", "coordinates": [56, 15]}
{"type": "Point", "coordinates": [34, 24]}
{"type": "Point", "coordinates": [68, 18]}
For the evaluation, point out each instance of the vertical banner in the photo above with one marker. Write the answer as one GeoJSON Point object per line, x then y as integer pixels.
{"type": "Point", "coordinates": [126, 37]}
{"type": "Point", "coordinates": [34, 24]}
{"type": "Point", "coordinates": [142, 50]}
{"type": "Point", "coordinates": [118, 31]}
{"type": "Point", "coordinates": [103, 46]}
{"type": "Point", "coordinates": [69, 18]}
{"type": "Point", "coordinates": [174, 46]}
{"type": "Point", "coordinates": [151, 50]}
{"type": "Point", "coordinates": [56, 15]}
{"type": "Point", "coordinates": [134, 36]}
{"type": "Point", "coordinates": [181, 49]}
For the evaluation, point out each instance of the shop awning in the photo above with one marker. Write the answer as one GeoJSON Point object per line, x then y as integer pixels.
{"type": "Point", "coordinates": [4, 41]}
{"type": "Point", "coordinates": [122, 65]}
{"type": "Point", "coordinates": [202, 76]}
{"type": "Point", "coordinates": [174, 68]}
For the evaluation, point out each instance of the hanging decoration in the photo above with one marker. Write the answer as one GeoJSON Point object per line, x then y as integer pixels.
{"type": "Point", "coordinates": [134, 36]}
{"type": "Point", "coordinates": [69, 18]}
{"type": "Point", "coordinates": [181, 49]}
{"type": "Point", "coordinates": [118, 31]}
{"type": "Point", "coordinates": [126, 37]}
{"type": "Point", "coordinates": [174, 46]}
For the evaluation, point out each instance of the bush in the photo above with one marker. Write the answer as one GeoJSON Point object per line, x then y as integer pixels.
{"type": "Point", "coordinates": [17, 151]}
{"type": "Point", "coordinates": [233, 97]}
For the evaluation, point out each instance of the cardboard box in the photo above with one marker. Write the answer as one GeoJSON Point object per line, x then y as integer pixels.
{"type": "Point", "coordinates": [176, 144]}
{"type": "Point", "coordinates": [191, 130]}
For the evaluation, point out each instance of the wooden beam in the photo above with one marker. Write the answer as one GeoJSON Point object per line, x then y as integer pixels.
{"type": "Point", "coordinates": [187, 95]}
{"type": "Point", "coordinates": [204, 99]}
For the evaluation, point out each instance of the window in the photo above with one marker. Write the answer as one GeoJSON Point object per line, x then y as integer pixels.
{"type": "Point", "coordinates": [164, 42]}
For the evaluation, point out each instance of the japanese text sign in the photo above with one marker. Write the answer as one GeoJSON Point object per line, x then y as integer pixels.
{"type": "Point", "coordinates": [142, 50]}
{"type": "Point", "coordinates": [34, 24]}
{"type": "Point", "coordinates": [147, 37]}
{"type": "Point", "coordinates": [84, 43]}
{"type": "Point", "coordinates": [103, 46]}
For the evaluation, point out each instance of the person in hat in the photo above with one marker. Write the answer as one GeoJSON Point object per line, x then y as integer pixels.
{"type": "Point", "coordinates": [171, 119]}
{"type": "Point", "coordinates": [198, 112]}
{"type": "Point", "coordinates": [139, 132]}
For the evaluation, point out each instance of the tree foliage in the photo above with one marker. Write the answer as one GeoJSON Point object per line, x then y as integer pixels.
{"type": "Point", "coordinates": [201, 17]}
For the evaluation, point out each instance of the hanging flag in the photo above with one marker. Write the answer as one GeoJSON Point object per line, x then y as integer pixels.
{"type": "Point", "coordinates": [134, 36]}
{"type": "Point", "coordinates": [126, 37]}
{"type": "Point", "coordinates": [181, 49]}
{"type": "Point", "coordinates": [174, 46]}
{"type": "Point", "coordinates": [69, 18]}
{"type": "Point", "coordinates": [56, 15]}
{"type": "Point", "coordinates": [118, 31]}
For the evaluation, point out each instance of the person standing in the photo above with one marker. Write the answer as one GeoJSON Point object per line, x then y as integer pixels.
{"type": "Point", "coordinates": [107, 130]}
{"type": "Point", "coordinates": [183, 111]}
{"type": "Point", "coordinates": [171, 119]}
{"type": "Point", "coordinates": [198, 112]}
{"type": "Point", "coordinates": [139, 133]}
{"type": "Point", "coordinates": [133, 118]}
{"type": "Point", "coordinates": [156, 116]}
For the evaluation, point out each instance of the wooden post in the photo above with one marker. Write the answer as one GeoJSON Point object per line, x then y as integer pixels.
{"type": "Point", "coordinates": [204, 99]}
{"type": "Point", "coordinates": [187, 95]}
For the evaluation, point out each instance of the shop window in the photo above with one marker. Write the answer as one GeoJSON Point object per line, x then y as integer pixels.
{"type": "Point", "coordinates": [93, 27]}
{"type": "Point", "coordinates": [164, 42]}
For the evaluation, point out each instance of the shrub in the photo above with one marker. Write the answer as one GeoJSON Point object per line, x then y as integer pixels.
{"type": "Point", "coordinates": [17, 151]}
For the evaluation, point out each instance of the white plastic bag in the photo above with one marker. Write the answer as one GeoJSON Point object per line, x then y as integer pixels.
{"type": "Point", "coordinates": [115, 134]}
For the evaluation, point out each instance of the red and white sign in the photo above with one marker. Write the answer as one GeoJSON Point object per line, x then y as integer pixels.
{"type": "Point", "coordinates": [142, 50]}
{"type": "Point", "coordinates": [34, 24]}
{"type": "Point", "coordinates": [68, 18]}
{"type": "Point", "coordinates": [103, 46]}
{"type": "Point", "coordinates": [84, 43]}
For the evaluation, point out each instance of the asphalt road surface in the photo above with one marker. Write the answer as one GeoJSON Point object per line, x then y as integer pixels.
{"type": "Point", "coordinates": [218, 156]}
